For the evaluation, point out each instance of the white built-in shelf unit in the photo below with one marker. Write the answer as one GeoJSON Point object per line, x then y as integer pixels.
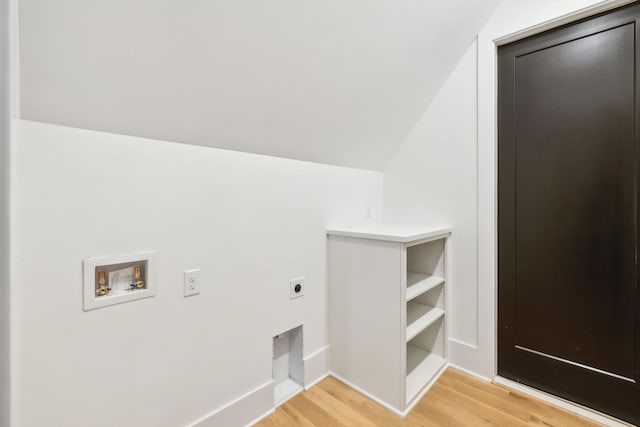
{"type": "Point", "coordinates": [387, 294]}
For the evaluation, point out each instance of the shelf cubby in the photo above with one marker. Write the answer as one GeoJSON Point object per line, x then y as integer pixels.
{"type": "Point", "coordinates": [419, 283]}
{"type": "Point", "coordinates": [424, 334]}
{"type": "Point", "coordinates": [425, 357]}
{"type": "Point", "coordinates": [420, 317]}
{"type": "Point", "coordinates": [421, 364]}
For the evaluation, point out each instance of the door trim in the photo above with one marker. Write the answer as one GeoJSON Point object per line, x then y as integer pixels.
{"type": "Point", "coordinates": [487, 160]}
{"type": "Point", "coordinates": [624, 16]}
{"type": "Point", "coordinates": [569, 18]}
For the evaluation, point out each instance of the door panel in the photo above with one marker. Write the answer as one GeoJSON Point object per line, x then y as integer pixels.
{"type": "Point", "coordinates": [567, 216]}
{"type": "Point", "coordinates": [575, 200]}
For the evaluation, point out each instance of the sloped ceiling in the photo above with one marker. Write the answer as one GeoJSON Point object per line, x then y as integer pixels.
{"type": "Point", "coordinates": [332, 81]}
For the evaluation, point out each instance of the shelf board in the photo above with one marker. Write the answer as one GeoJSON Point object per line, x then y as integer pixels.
{"type": "Point", "coordinates": [390, 232]}
{"type": "Point", "coordinates": [420, 317]}
{"type": "Point", "coordinates": [418, 283]}
{"type": "Point", "coordinates": [421, 368]}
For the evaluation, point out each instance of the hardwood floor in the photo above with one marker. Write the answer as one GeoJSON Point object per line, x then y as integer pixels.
{"type": "Point", "coordinates": [457, 399]}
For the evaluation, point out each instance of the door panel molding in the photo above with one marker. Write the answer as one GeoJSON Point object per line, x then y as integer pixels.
{"type": "Point", "coordinates": [579, 365]}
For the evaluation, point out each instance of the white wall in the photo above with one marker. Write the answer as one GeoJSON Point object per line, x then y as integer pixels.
{"type": "Point", "coordinates": [432, 180]}
{"type": "Point", "coordinates": [250, 222]}
{"type": "Point", "coordinates": [335, 81]}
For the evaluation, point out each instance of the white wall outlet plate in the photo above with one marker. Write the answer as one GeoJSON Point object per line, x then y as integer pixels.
{"type": "Point", "coordinates": [297, 287]}
{"type": "Point", "coordinates": [191, 282]}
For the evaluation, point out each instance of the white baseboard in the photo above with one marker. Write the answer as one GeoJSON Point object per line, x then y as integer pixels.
{"type": "Point", "coordinates": [316, 367]}
{"type": "Point", "coordinates": [260, 418]}
{"type": "Point", "coordinates": [462, 354]}
{"type": "Point", "coordinates": [369, 395]}
{"type": "Point", "coordinates": [561, 403]}
{"type": "Point", "coordinates": [258, 404]}
{"type": "Point", "coordinates": [462, 344]}
{"type": "Point", "coordinates": [414, 402]}
{"type": "Point", "coordinates": [246, 410]}
{"type": "Point", "coordinates": [314, 383]}
{"type": "Point", "coordinates": [471, 373]}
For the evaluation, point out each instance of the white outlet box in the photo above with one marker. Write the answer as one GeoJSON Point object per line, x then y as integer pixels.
{"type": "Point", "coordinates": [146, 260]}
{"type": "Point", "coordinates": [191, 282]}
{"type": "Point", "coordinates": [296, 288]}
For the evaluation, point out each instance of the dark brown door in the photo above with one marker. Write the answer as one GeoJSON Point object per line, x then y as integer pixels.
{"type": "Point", "coordinates": [568, 212]}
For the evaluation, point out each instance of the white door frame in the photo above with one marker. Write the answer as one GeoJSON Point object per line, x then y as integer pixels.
{"type": "Point", "coordinates": [490, 37]}
{"type": "Point", "coordinates": [5, 118]}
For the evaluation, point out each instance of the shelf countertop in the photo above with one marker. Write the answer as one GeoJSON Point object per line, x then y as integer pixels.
{"type": "Point", "coordinates": [389, 232]}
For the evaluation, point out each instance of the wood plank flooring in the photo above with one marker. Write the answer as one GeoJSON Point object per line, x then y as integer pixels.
{"type": "Point", "coordinates": [457, 399]}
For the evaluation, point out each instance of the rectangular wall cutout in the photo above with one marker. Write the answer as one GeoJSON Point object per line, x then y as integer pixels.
{"type": "Point", "coordinates": [288, 367]}
{"type": "Point", "coordinates": [112, 280]}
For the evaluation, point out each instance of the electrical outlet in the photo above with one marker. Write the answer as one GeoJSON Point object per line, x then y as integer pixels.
{"type": "Point", "coordinates": [296, 288]}
{"type": "Point", "coordinates": [191, 282]}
